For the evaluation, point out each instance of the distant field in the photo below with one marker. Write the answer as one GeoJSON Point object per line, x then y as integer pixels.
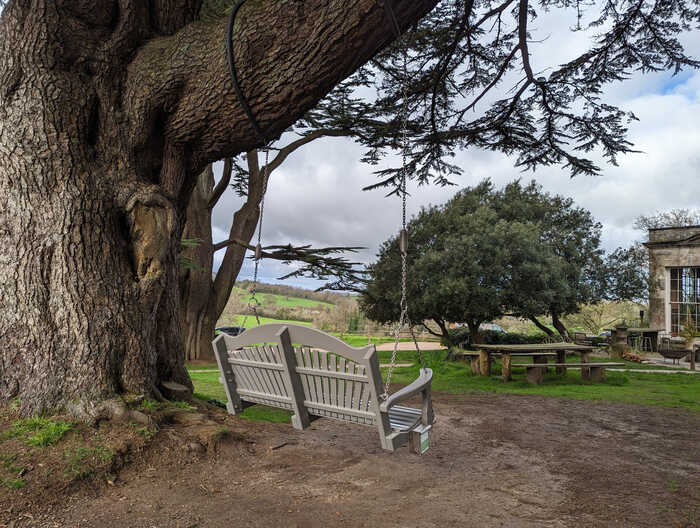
{"type": "Point", "coordinates": [281, 300]}
{"type": "Point", "coordinates": [237, 320]}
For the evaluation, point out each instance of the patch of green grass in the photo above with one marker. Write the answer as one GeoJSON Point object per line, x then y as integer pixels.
{"type": "Point", "coordinates": [263, 413]}
{"type": "Point", "coordinates": [181, 405]}
{"type": "Point", "coordinates": [81, 462]}
{"type": "Point", "coordinates": [39, 432]}
{"type": "Point", "coordinates": [360, 340]}
{"type": "Point", "coordinates": [8, 463]}
{"type": "Point", "coordinates": [207, 386]}
{"type": "Point", "coordinates": [147, 432]}
{"type": "Point", "coordinates": [202, 366]}
{"type": "Point", "coordinates": [402, 356]}
{"type": "Point", "coordinates": [668, 390]}
{"type": "Point", "coordinates": [11, 483]}
{"type": "Point", "coordinates": [150, 405]}
{"type": "Point", "coordinates": [9, 467]}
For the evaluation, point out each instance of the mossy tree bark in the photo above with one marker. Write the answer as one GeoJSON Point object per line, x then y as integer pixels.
{"type": "Point", "coordinates": [109, 111]}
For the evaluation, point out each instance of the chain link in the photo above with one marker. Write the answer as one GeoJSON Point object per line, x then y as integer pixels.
{"type": "Point", "coordinates": [253, 302]}
{"type": "Point", "coordinates": [403, 237]}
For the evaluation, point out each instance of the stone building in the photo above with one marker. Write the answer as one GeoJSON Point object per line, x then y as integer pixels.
{"type": "Point", "coordinates": [674, 271]}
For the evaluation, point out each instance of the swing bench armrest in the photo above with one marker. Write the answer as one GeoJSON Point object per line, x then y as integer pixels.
{"type": "Point", "coordinates": [419, 385]}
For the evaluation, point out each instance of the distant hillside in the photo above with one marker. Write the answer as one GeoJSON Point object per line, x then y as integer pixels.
{"type": "Point", "coordinates": [286, 300]}
{"type": "Point", "coordinates": [299, 293]}
{"type": "Point", "coordinates": [329, 311]}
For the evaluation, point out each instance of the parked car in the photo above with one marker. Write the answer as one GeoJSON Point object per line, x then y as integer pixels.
{"type": "Point", "coordinates": [229, 330]}
{"type": "Point", "coordinates": [493, 327]}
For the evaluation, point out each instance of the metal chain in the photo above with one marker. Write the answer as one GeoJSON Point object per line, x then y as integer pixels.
{"type": "Point", "coordinates": [253, 302]}
{"type": "Point", "coordinates": [403, 237]}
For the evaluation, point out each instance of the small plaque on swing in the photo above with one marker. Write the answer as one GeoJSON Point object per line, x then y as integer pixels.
{"type": "Point", "coordinates": [420, 439]}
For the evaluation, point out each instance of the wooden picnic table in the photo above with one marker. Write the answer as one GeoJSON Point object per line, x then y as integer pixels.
{"type": "Point", "coordinates": [538, 351]}
{"type": "Point", "coordinates": [474, 358]}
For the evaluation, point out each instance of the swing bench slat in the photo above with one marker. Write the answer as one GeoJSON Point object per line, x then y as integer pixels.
{"type": "Point", "coordinates": [321, 377]}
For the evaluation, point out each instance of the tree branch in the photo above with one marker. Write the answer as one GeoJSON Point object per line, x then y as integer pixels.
{"type": "Point", "coordinates": [430, 330]}
{"type": "Point", "coordinates": [318, 262]}
{"type": "Point", "coordinates": [539, 325]}
{"type": "Point", "coordinates": [285, 151]}
{"type": "Point", "coordinates": [243, 227]}
{"type": "Point", "coordinates": [288, 59]}
{"type": "Point", "coordinates": [223, 183]}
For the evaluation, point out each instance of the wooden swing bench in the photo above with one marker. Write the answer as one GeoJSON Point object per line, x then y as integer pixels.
{"type": "Point", "coordinates": [314, 374]}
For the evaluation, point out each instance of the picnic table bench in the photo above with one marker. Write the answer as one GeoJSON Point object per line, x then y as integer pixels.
{"type": "Point", "coordinates": [475, 359]}
{"type": "Point", "coordinates": [589, 371]}
{"type": "Point", "coordinates": [538, 351]}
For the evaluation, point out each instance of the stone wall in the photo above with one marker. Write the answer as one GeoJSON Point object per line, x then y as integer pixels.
{"type": "Point", "coordinates": [672, 234]}
{"type": "Point", "coordinates": [667, 249]}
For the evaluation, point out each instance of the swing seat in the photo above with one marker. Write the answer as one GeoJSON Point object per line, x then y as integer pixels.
{"type": "Point", "coordinates": [314, 374]}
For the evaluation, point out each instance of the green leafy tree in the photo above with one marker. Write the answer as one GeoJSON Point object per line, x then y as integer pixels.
{"type": "Point", "coordinates": [486, 253]}
{"type": "Point", "coordinates": [466, 264]}
{"type": "Point", "coordinates": [626, 275]}
{"type": "Point", "coordinates": [577, 275]}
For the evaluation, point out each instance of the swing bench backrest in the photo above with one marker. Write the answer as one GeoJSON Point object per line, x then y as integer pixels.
{"type": "Point", "coordinates": [314, 374]}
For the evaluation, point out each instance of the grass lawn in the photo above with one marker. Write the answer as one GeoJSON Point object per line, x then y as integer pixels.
{"type": "Point", "coordinates": [360, 340]}
{"type": "Point", "coordinates": [668, 390]}
{"type": "Point", "coordinates": [207, 387]}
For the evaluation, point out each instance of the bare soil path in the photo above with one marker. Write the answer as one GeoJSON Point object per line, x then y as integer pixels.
{"type": "Point", "coordinates": [495, 461]}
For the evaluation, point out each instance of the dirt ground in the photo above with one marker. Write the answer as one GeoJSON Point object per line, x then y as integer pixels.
{"type": "Point", "coordinates": [495, 461]}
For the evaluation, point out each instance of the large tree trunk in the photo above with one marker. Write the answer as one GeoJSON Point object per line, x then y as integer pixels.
{"type": "Point", "coordinates": [196, 266]}
{"type": "Point", "coordinates": [561, 328]}
{"type": "Point", "coordinates": [109, 111]}
{"type": "Point", "coordinates": [474, 331]}
{"type": "Point", "coordinates": [203, 297]}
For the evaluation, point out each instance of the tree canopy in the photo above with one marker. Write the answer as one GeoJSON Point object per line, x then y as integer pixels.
{"type": "Point", "coordinates": [486, 253]}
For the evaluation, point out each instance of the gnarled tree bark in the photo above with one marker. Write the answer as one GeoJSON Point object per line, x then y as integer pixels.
{"type": "Point", "coordinates": [109, 111]}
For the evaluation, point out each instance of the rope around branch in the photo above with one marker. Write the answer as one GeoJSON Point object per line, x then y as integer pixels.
{"type": "Point", "coordinates": [234, 75]}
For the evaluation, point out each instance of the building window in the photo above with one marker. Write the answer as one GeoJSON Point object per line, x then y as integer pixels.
{"type": "Point", "coordinates": [685, 298]}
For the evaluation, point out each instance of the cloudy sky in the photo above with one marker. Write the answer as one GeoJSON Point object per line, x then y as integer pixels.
{"type": "Point", "coordinates": [316, 197]}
